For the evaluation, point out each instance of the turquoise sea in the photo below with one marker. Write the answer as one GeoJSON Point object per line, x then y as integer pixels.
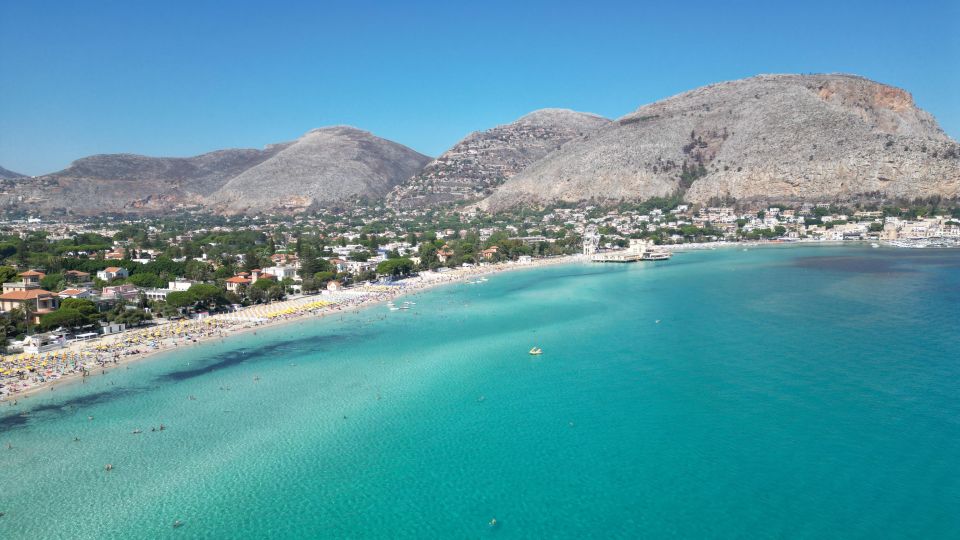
{"type": "Point", "coordinates": [783, 392]}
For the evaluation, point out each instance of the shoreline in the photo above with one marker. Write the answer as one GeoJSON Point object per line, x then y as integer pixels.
{"type": "Point", "coordinates": [223, 326]}
{"type": "Point", "coordinates": [185, 333]}
{"type": "Point", "coordinates": [125, 348]}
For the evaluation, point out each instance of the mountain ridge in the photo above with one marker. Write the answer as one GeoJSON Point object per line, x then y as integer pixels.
{"type": "Point", "coordinates": [7, 174]}
{"type": "Point", "coordinates": [783, 137]}
{"type": "Point", "coordinates": [133, 183]}
{"type": "Point", "coordinates": [483, 160]}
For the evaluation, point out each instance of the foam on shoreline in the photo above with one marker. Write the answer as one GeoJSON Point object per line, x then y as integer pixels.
{"type": "Point", "coordinates": [227, 325]}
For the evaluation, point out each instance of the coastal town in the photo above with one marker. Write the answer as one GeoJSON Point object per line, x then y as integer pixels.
{"type": "Point", "coordinates": [81, 294]}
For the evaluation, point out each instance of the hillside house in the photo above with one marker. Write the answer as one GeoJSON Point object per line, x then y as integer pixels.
{"type": "Point", "coordinates": [234, 283]}
{"type": "Point", "coordinates": [120, 292]}
{"type": "Point", "coordinates": [444, 253]}
{"type": "Point", "coordinates": [35, 300]}
{"type": "Point", "coordinates": [76, 276]}
{"type": "Point", "coordinates": [113, 272]}
{"type": "Point", "coordinates": [75, 293]}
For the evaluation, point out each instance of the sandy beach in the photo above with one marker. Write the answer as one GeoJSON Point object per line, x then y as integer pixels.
{"type": "Point", "coordinates": [24, 375]}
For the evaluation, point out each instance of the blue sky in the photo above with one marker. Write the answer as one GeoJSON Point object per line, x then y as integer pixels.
{"type": "Point", "coordinates": [181, 78]}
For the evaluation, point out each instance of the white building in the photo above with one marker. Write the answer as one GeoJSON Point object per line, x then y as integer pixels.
{"type": "Point", "coordinates": [113, 272]}
{"type": "Point", "coordinates": [75, 293]}
{"type": "Point", "coordinates": [180, 284]}
{"type": "Point", "coordinates": [283, 272]}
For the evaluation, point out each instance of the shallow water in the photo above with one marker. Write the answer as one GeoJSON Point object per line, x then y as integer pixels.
{"type": "Point", "coordinates": [801, 392]}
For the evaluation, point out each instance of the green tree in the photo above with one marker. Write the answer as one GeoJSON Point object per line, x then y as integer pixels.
{"type": "Point", "coordinates": [52, 282]}
{"type": "Point", "coordinates": [323, 277]}
{"type": "Point", "coordinates": [84, 306]}
{"type": "Point", "coordinates": [147, 279]}
{"type": "Point", "coordinates": [251, 261]}
{"type": "Point", "coordinates": [181, 299]}
{"type": "Point", "coordinates": [204, 293]}
{"type": "Point", "coordinates": [132, 317]}
{"type": "Point", "coordinates": [7, 274]}
{"type": "Point", "coordinates": [67, 318]}
{"type": "Point", "coordinates": [395, 267]}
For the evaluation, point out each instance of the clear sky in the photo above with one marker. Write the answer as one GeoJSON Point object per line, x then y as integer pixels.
{"type": "Point", "coordinates": [178, 78]}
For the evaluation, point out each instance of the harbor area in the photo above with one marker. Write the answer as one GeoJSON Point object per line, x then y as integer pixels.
{"type": "Point", "coordinates": [638, 250]}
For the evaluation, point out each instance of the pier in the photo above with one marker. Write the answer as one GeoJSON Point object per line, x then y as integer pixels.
{"type": "Point", "coordinates": [639, 250]}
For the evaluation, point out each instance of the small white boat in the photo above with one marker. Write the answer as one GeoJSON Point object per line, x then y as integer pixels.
{"type": "Point", "coordinates": [536, 351]}
{"type": "Point", "coordinates": [874, 245]}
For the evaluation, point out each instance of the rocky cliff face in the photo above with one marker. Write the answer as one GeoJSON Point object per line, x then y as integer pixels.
{"type": "Point", "coordinates": [324, 166]}
{"type": "Point", "coordinates": [329, 165]}
{"type": "Point", "coordinates": [484, 160]}
{"type": "Point", "coordinates": [771, 137]}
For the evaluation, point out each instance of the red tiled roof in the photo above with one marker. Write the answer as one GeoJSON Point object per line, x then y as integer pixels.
{"type": "Point", "coordinates": [31, 273]}
{"type": "Point", "coordinates": [29, 294]}
{"type": "Point", "coordinates": [69, 292]}
{"type": "Point", "coordinates": [113, 269]}
{"type": "Point", "coordinates": [238, 279]}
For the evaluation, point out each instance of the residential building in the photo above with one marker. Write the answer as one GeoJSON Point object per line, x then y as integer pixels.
{"type": "Point", "coordinates": [234, 283]}
{"type": "Point", "coordinates": [113, 272]}
{"type": "Point", "coordinates": [76, 276]}
{"type": "Point", "coordinates": [75, 293]}
{"type": "Point", "coordinates": [35, 300]}
{"type": "Point", "coordinates": [444, 253]}
{"type": "Point", "coordinates": [283, 271]}
{"type": "Point", "coordinates": [180, 285]}
{"type": "Point", "coordinates": [31, 277]}
{"type": "Point", "coordinates": [257, 274]}
{"type": "Point", "coordinates": [117, 292]}
{"type": "Point", "coordinates": [490, 252]}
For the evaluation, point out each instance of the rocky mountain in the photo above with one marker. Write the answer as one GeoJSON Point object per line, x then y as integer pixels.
{"type": "Point", "coordinates": [324, 166]}
{"type": "Point", "coordinates": [484, 160]}
{"type": "Point", "coordinates": [132, 183]}
{"type": "Point", "coordinates": [770, 137]}
{"type": "Point", "coordinates": [7, 174]}
{"type": "Point", "coordinates": [784, 138]}
{"type": "Point", "coordinates": [329, 165]}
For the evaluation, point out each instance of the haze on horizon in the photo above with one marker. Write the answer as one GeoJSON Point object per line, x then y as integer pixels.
{"type": "Point", "coordinates": [183, 78]}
